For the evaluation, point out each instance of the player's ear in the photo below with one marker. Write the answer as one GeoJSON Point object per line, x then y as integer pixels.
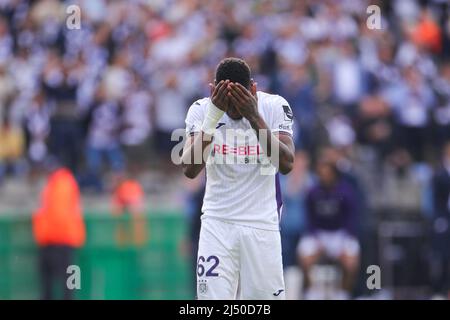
{"type": "Point", "coordinates": [253, 87]}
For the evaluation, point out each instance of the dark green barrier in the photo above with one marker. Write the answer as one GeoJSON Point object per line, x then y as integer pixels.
{"type": "Point", "coordinates": [112, 267]}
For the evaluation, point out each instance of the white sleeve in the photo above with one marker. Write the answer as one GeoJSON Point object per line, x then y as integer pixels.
{"type": "Point", "coordinates": [282, 116]}
{"type": "Point", "coordinates": [194, 118]}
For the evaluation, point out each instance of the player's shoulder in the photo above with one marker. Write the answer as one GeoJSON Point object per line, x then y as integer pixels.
{"type": "Point", "coordinates": [274, 105]}
{"type": "Point", "coordinates": [271, 99]}
{"type": "Point", "coordinates": [200, 103]}
{"type": "Point", "coordinates": [197, 109]}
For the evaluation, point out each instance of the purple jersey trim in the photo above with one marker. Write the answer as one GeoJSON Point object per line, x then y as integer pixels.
{"type": "Point", "coordinates": [278, 195]}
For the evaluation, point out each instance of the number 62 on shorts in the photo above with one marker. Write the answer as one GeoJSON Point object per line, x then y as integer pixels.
{"type": "Point", "coordinates": [212, 262]}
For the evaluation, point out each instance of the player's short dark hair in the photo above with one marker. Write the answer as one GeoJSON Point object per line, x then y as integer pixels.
{"type": "Point", "coordinates": [235, 70]}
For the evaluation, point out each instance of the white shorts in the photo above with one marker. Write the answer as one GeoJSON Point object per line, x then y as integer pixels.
{"type": "Point", "coordinates": [332, 243]}
{"type": "Point", "coordinates": [238, 262]}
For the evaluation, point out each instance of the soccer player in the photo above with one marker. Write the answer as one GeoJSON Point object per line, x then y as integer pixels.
{"type": "Point", "coordinates": [239, 133]}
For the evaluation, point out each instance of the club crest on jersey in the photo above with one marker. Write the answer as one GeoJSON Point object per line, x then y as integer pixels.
{"type": "Point", "coordinates": [288, 115]}
{"type": "Point", "coordinates": [202, 287]}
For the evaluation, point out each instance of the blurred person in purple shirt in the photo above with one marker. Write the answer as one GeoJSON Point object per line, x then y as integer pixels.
{"type": "Point", "coordinates": [331, 213]}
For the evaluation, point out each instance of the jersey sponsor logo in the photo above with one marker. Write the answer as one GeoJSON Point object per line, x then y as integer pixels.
{"type": "Point", "coordinates": [285, 127]}
{"type": "Point", "coordinates": [288, 115]}
{"type": "Point", "coordinates": [240, 150]}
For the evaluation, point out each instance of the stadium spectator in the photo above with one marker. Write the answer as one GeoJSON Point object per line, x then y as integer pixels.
{"type": "Point", "coordinates": [298, 88]}
{"type": "Point", "coordinates": [349, 78]}
{"type": "Point", "coordinates": [58, 229]}
{"type": "Point", "coordinates": [414, 99]}
{"type": "Point", "coordinates": [37, 126]}
{"type": "Point", "coordinates": [6, 88]}
{"type": "Point", "coordinates": [60, 86]}
{"type": "Point", "coordinates": [294, 188]}
{"type": "Point", "coordinates": [137, 126]}
{"type": "Point", "coordinates": [12, 143]}
{"type": "Point", "coordinates": [170, 104]}
{"type": "Point", "coordinates": [441, 114]}
{"type": "Point", "coordinates": [374, 124]}
{"type": "Point", "coordinates": [401, 190]}
{"type": "Point", "coordinates": [426, 33]}
{"type": "Point", "coordinates": [128, 199]}
{"type": "Point", "coordinates": [441, 227]}
{"type": "Point", "coordinates": [103, 138]}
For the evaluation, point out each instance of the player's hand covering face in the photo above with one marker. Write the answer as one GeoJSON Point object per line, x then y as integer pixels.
{"type": "Point", "coordinates": [219, 95]}
{"type": "Point", "coordinates": [243, 100]}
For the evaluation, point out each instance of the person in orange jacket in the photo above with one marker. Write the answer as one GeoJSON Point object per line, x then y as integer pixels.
{"type": "Point", "coordinates": [59, 229]}
{"type": "Point", "coordinates": [128, 198]}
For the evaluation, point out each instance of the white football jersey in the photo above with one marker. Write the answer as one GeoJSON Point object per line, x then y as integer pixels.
{"type": "Point", "coordinates": [242, 187]}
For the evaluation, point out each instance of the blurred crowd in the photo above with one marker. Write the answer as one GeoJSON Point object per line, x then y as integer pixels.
{"type": "Point", "coordinates": [121, 83]}
{"type": "Point", "coordinates": [375, 102]}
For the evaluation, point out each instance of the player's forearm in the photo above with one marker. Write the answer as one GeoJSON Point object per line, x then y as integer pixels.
{"type": "Point", "coordinates": [285, 155]}
{"type": "Point", "coordinates": [195, 155]}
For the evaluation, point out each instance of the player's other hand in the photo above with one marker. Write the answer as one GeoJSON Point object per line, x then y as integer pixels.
{"type": "Point", "coordinates": [245, 102]}
{"type": "Point", "coordinates": [219, 94]}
